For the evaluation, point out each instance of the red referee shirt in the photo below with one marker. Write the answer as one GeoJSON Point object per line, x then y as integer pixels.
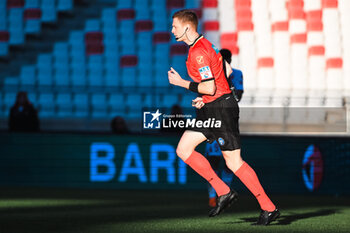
{"type": "Point", "coordinates": [204, 63]}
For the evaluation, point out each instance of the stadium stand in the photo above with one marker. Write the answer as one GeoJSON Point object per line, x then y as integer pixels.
{"type": "Point", "coordinates": [292, 53]}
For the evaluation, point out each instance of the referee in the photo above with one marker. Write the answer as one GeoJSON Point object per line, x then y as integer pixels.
{"type": "Point", "coordinates": [205, 67]}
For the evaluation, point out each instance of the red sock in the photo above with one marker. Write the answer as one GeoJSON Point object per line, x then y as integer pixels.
{"type": "Point", "coordinates": [201, 165]}
{"type": "Point", "coordinates": [249, 178]}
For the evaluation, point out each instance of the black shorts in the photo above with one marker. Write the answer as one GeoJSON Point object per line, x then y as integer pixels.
{"type": "Point", "coordinates": [225, 109]}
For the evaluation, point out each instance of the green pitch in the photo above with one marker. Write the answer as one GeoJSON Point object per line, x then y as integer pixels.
{"type": "Point", "coordinates": [110, 211]}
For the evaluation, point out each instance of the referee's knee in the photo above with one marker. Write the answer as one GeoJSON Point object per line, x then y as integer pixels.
{"type": "Point", "coordinates": [183, 153]}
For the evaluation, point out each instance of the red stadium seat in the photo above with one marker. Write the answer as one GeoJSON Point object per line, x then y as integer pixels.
{"type": "Point", "coordinates": [280, 26]}
{"type": "Point", "coordinates": [171, 4]}
{"type": "Point", "coordinates": [296, 13]}
{"type": "Point", "coordinates": [161, 37]}
{"type": "Point", "coordinates": [210, 3]}
{"type": "Point", "coordinates": [232, 37]}
{"type": "Point", "coordinates": [315, 26]}
{"type": "Point", "coordinates": [245, 26]}
{"type": "Point", "coordinates": [123, 14]}
{"type": "Point", "coordinates": [242, 3]}
{"type": "Point", "coordinates": [298, 38]}
{"type": "Point", "coordinates": [178, 49]}
{"type": "Point", "coordinates": [33, 13]}
{"type": "Point", "coordinates": [143, 25]}
{"type": "Point", "coordinates": [94, 49]}
{"type": "Point", "coordinates": [128, 61]}
{"type": "Point", "coordinates": [295, 3]}
{"type": "Point", "coordinates": [4, 36]}
{"type": "Point", "coordinates": [329, 3]}
{"type": "Point", "coordinates": [229, 41]}
{"type": "Point", "coordinates": [93, 37]}
{"type": "Point", "coordinates": [211, 26]}
{"type": "Point", "coordinates": [314, 15]}
{"type": "Point", "coordinates": [265, 62]}
{"type": "Point", "coordinates": [15, 3]}
{"type": "Point", "coordinates": [316, 51]}
{"type": "Point", "coordinates": [244, 14]}
{"type": "Point", "coordinates": [334, 63]}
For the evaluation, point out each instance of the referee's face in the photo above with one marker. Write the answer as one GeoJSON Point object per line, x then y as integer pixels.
{"type": "Point", "coordinates": [178, 29]}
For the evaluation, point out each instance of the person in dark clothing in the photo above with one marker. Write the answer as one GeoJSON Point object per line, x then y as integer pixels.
{"type": "Point", "coordinates": [23, 116]}
{"type": "Point", "coordinates": [119, 126]}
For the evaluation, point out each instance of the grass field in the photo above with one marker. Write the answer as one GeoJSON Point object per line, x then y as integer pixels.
{"type": "Point", "coordinates": [106, 211]}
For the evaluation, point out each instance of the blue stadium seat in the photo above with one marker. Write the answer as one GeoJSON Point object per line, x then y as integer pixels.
{"type": "Point", "coordinates": [160, 23]}
{"type": "Point", "coordinates": [178, 62]}
{"type": "Point", "coordinates": [64, 105]}
{"type": "Point", "coordinates": [142, 13]}
{"type": "Point", "coordinates": [128, 76]}
{"type": "Point", "coordinates": [45, 61]}
{"type": "Point", "coordinates": [61, 49]}
{"type": "Point", "coordinates": [133, 105]}
{"type": "Point", "coordinates": [81, 105]}
{"type": "Point", "coordinates": [186, 101]}
{"type": "Point", "coordinates": [112, 76]}
{"type": "Point", "coordinates": [148, 101]}
{"type": "Point", "coordinates": [61, 78]}
{"type": "Point", "coordinates": [127, 27]}
{"type": "Point", "coordinates": [9, 101]}
{"type": "Point", "coordinates": [27, 76]}
{"type": "Point", "coordinates": [65, 5]}
{"type": "Point", "coordinates": [144, 39]}
{"type": "Point", "coordinates": [16, 37]}
{"type": "Point", "coordinates": [95, 78]}
{"type": "Point", "coordinates": [116, 105]}
{"type": "Point", "coordinates": [31, 4]}
{"type": "Point", "coordinates": [161, 4]}
{"type": "Point", "coordinates": [46, 105]}
{"type": "Point", "coordinates": [124, 4]}
{"type": "Point", "coordinates": [76, 37]}
{"type": "Point", "coordinates": [161, 78]}
{"type": "Point", "coordinates": [61, 63]}
{"type": "Point", "coordinates": [162, 50]}
{"type": "Point", "coordinates": [48, 11]}
{"type": "Point", "coordinates": [109, 18]}
{"type": "Point", "coordinates": [145, 77]}
{"type": "Point", "coordinates": [192, 4]}
{"type": "Point", "coordinates": [11, 83]}
{"type": "Point", "coordinates": [32, 26]}
{"type": "Point", "coordinates": [3, 19]}
{"type": "Point", "coordinates": [168, 100]}
{"type": "Point", "coordinates": [3, 48]}
{"type": "Point", "coordinates": [32, 97]}
{"type": "Point", "coordinates": [92, 25]}
{"type": "Point", "coordinates": [99, 105]}
{"type": "Point", "coordinates": [78, 77]}
{"type": "Point", "coordinates": [45, 77]}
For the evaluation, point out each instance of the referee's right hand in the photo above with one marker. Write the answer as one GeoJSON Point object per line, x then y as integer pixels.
{"type": "Point", "coordinates": [198, 102]}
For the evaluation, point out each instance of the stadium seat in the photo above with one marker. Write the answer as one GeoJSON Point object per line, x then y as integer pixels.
{"type": "Point", "coordinates": [28, 76]}
{"type": "Point", "coordinates": [65, 5]}
{"type": "Point", "coordinates": [46, 105]}
{"type": "Point", "coordinates": [81, 105]}
{"type": "Point", "coordinates": [64, 105]}
{"type": "Point", "coordinates": [8, 102]}
{"type": "Point", "coordinates": [99, 105]}
{"type": "Point", "coordinates": [48, 11]}
{"type": "Point", "coordinates": [133, 106]}
{"type": "Point", "coordinates": [116, 105]}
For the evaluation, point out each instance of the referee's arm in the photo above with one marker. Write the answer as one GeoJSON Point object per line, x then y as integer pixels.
{"type": "Point", "coordinates": [206, 87]}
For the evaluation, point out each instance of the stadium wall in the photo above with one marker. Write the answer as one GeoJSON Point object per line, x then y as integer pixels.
{"type": "Point", "coordinates": [284, 164]}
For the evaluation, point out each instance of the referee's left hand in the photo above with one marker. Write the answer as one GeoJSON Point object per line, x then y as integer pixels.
{"type": "Point", "coordinates": [174, 77]}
